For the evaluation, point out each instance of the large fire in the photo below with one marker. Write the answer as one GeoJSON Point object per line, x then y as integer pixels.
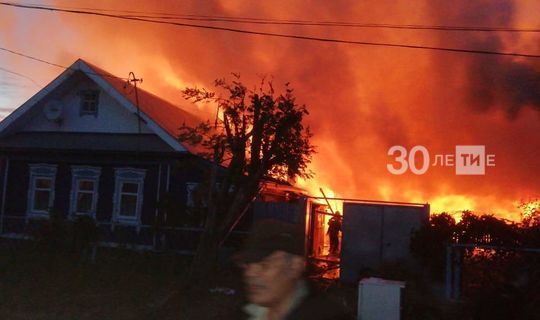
{"type": "Point", "coordinates": [362, 99]}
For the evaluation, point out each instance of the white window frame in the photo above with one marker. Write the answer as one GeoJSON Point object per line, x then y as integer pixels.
{"type": "Point", "coordinates": [83, 96]}
{"type": "Point", "coordinates": [40, 171]}
{"type": "Point", "coordinates": [84, 173]}
{"type": "Point", "coordinates": [190, 187]}
{"type": "Point", "coordinates": [128, 175]}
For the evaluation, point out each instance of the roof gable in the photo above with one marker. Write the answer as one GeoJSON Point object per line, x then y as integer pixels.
{"type": "Point", "coordinates": [159, 116]}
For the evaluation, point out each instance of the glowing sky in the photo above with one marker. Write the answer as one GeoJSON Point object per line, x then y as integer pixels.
{"type": "Point", "coordinates": [362, 99]}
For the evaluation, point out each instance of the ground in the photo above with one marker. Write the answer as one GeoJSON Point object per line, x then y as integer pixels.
{"type": "Point", "coordinates": [38, 284]}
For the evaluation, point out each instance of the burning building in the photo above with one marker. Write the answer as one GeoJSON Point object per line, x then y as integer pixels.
{"type": "Point", "coordinates": [364, 235]}
{"type": "Point", "coordinates": [91, 144]}
{"type": "Point", "coordinates": [362, 99]}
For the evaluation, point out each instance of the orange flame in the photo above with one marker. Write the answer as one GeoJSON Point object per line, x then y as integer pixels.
{"type": "Point", "coordinates": [362, 99]}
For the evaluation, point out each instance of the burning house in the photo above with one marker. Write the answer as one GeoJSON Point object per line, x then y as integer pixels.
{"type": "Point", "coordinates": [361, 236]}
{"type": "Point", "coordinates": [91, 144]}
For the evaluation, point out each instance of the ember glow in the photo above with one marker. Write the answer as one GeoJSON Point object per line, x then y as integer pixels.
{"type": "Point", "coordinates": [362, 99]}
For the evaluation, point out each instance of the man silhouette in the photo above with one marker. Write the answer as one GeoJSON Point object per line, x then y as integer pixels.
{"type": "Point", "coordinates": [334, 228]}
{"type": "Point", "coordinates": [274, 267]}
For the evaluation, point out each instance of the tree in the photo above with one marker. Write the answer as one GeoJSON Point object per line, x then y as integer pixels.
{"type": "Point", "coordinates": [486, 229]}
{"type": "Point", "coordinates": [429, 242]}
{"type": "Point", "coordinates": [498, 283]}
{"type": "Point", "coordinates": [257, 134]}
{"type": "Point", "coordinates": [530, 213]}
{"type": "Point", "coordinates": [530, 223]}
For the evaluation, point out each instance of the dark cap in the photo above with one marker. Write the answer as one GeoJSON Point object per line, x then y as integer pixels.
{"type": "Point", "coordinates": [268, 236]}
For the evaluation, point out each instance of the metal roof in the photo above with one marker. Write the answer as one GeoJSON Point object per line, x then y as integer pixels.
{"type": "Point", "coordinates": [161, 116]}
{"type": "Point", "coordinates": [85, 141]}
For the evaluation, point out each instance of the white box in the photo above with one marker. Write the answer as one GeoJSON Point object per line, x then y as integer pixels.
{"type": "Point", "coordinates": [379, 299]}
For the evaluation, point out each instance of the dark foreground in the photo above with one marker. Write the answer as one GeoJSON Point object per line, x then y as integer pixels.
{"type": "Point", "coordinates": [39, 284]}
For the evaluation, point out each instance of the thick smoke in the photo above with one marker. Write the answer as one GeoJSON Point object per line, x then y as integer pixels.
{"type": "Point", "coordinates": [505, 82]}
{"type": "Point", "coordinates": [362, 100]}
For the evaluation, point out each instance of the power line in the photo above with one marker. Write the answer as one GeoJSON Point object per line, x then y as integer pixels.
{"type": "Point", "coordinates": [335, 24]}
{"type": "Point", "coordinates": [338, 24]}
{"type": "Point", "coordinates": [266, 21]}
{"type": "Point", "coordinates": [57, 65]}
{"type": "Point", "coordinates": [33, 58]}
{"type": "Point", "coordinates": [271, 34]}
{"type": "Point", "coordinates": [21, 75]}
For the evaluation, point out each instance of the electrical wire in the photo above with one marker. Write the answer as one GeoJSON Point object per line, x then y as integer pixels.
{"type": "Point", "coordinates": [57, 65]}
{"type": "Point", "coordinates": [267, 21]}
{"type": "Point", "coordinates": [278, 35]}
{"type": "Point", "coordinates": [21, 75]}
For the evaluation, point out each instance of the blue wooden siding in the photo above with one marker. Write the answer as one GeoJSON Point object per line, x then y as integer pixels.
{"type": "Point", "coordinates": [173, 233]}
{"type": "Point", "coordinates": [62, 189]}
{"type": "Point", "coordinates": [104, 206]}
{"type": "Point", "coordinates": [3, 169]}
{"type": "Point", "coordinates": [17, 192]}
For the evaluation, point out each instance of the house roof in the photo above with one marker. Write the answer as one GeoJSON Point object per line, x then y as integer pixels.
{"type": "Point", "coordinates": [167, 115]}
{"type": "Point", "coordinates": [159, 115]}
{"type": "Point", "coordinates": [80, 141]}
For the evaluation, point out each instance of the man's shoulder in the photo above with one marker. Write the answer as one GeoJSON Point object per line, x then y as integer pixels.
{"type": "Point", "coordinates": [320, 307]}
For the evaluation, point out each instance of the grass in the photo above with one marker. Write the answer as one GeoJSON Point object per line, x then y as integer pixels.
{"type": "Point", "coordinates": [38, 284]}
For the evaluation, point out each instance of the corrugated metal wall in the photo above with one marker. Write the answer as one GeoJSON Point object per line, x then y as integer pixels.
{"type": "Point", "coordinates": [376, 233]}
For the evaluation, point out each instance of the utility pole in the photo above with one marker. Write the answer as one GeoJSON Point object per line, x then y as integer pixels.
{"type": "Point", "coordinates": [134, 80]}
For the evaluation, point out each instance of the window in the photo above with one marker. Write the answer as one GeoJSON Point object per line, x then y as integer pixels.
{"type": "Point", "coordinates": [128, 196]}
{"type": "Point", "coordinates": [192, 189]}
{"type": "Point", "coordinates": [129, 193]}
{"type": "Point", "coordinates": [195, 205]}
{"type": "Point", "coordinates": [89, 102]}
{"type": "Point", "coordinates": [196, 195]}
{"type": "Point", "coordinates": [41, 189]}
{"type": "Point", "coordinates": [84, 190]}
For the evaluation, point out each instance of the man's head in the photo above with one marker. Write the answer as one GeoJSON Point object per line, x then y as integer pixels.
{"type": "Point", "coordinates": [273, 261]}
